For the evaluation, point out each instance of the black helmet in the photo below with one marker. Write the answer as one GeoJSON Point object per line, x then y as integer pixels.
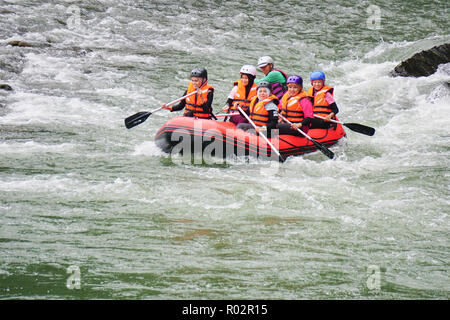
{"type": "Point", "coordinates": [265, 84]}
{"type": "Point", "coordinates": [199, 72]}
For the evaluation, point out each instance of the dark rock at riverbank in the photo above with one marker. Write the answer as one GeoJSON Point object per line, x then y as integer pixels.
{"type": "Point", "coordinates": [423, 63]}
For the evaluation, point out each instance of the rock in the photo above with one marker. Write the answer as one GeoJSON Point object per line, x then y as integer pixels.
{"type": "Point", "coordinates": [17, 43]}
{"type": "Point", "coordinates": [423, 63]}
{"type": "Point", "coordinates": [6, 87]}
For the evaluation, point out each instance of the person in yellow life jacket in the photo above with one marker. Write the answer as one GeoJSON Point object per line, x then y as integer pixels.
{"type": "Point", "coordinates": [263, 110]}
{"type": "Point", "coordinates": [324, 104]}
{"type": "Point", "coordinates": [200, 104]}
{"type": "Point", "coordinates": [296, 106]}
{"type": "Point", "coordinates": [244, 90]}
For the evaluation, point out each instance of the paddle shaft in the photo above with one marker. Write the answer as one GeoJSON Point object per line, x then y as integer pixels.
{"type": "Point", "coordinates": [227, 114]}
{"type": "Point", "coordinates": [321, 147]}
{"type": "Point", "coordinates": [298, 129]}
{"type": "Point", "coordinates": [179, 99]}
{"type": "Point", "coordinates": [140, 117]}
{"type": "Point", "coordinates": [265, 138]}
{"type": "Point", "coordinates": [360, 128]}
{"type": "Point", "coordinates": [331, 120]}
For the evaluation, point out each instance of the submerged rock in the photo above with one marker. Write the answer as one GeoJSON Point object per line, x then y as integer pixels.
{"type": "Point", "coordinates": [423, 63]}
{"type": "Point", "coordinates": [6, 87]}
{"type": "Point", "coordinates": [17, 43]}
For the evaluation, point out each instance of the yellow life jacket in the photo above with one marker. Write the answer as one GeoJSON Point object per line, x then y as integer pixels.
{"type": "Point", "coordinates": [321, 107]}
{"type": "Point", "coordinates": [258, 113]}
{"type": "Point", "coordinates": [240, 97]}
{"type": "Point", "coordinates": [194, 102]}
{"type": "Point", "coordinates": [291, 108]}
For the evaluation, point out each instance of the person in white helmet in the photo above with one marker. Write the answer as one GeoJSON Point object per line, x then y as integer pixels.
{"type": "Point", "coordinates": [244, 90]}
{"type": "Point", "coordinates": [274, 76]}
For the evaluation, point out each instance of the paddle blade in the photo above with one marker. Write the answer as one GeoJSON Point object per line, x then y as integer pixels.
{"type": "Point", "coordinates": [324, 149]}
{"type": "Point", "coordinates": [360, 128]}
{"type": "Point", "coordinates": [136, 119]}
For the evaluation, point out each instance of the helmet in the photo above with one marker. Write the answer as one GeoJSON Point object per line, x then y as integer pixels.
{"type": "Point", "coordinates": [265, 84]}
{"type": "Point", "coordinates": [317, 75]}
{"type": "Point", "coordinates": [199, 72]}
{"type": "Point", "coordinates": [263, 61]}
{"type": "Point", "coordinates": [295, 79]}
{"type": "Point", "coordinates": [248, 69]}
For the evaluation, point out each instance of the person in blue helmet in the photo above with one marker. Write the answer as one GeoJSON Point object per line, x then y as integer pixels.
{"type": "Point", "coordinates": [324, 104]}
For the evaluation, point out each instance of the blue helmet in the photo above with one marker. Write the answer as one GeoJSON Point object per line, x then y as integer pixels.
{"type": "Point", "coordinates": [317, 75]}
{"type": "Point", "coordinates": [295, 79]}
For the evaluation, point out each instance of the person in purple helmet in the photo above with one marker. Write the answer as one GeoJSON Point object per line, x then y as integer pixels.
{"type": "Point", "coordinates": [297, 107]}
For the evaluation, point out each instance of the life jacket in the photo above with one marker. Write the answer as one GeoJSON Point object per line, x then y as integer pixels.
{"type": "Point", "coordinates": [278, 88]}
{"type": "Point", "coordinates": [240, 97]}
{"type": "Point", "coordinates": [258, 113]}
{"type": "Point", "coordinates": [321, 107]}
{"type": "Point", "coordinates": [194, 102]}
{"type": "Point", "coordinates": [291, 108]}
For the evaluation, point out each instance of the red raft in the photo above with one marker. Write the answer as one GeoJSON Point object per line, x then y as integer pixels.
{"type": "Point", "coordinates": [222, 139]}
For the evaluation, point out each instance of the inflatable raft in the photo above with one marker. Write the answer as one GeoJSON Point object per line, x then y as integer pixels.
{"type": "Point", "coordinates": [223, 139]}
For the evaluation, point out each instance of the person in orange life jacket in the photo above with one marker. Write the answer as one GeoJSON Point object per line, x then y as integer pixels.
{"type": "Point", "coordinates": [244, 90]}
{"type": "Point", "coordinates": [324, 104]}
{"type": "Point", "coordinates": [263, 110]}
{"type": "Point", "coordinates": [275, 76]}
{"type": "Point", "coordinates": [296, 106]}
{"type": "Point", "coordinates": [200, 104]}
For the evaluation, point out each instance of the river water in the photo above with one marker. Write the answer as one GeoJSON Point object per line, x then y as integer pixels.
{"type": "Point", "coordinates": [89, 209]}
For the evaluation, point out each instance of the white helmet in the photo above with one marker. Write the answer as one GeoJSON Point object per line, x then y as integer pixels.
{"type": "Point", "coordinates": [248, 69]}
{"type": "Point", "coordinates": [263, 61]}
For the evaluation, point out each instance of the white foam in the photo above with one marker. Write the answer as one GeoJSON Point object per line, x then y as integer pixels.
{"type": "Point", "coordinates": [147, 148]}
{"type": "Point", "coordinates": [30, 147]}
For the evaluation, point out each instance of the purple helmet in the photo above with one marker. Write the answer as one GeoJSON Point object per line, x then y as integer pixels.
{"type": "Point", "coordinates": [295, 79]}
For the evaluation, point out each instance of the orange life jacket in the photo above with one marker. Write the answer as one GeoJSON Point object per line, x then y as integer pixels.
{"type": "Point", "coordinates": [194, 102]}
{"type": "Point", "coordinates": [291, 108]}
{"type": "Point", "coordinates": [321, 106]}
{"type": "Point", "coordinates": [258, 113]}
{"type": "Point", "coordinates": [240, 97]}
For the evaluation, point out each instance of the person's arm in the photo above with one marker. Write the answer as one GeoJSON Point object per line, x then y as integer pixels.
{"type": "Point", "coordinates": [207, 106]}
{"type": "Point", "coordinates": [272, 77]}
{"type": "Point", "coordinates": [179, 106]}
{"type": "Point", "coordinates": [230, 99]}
{"type": "Point", "coordinates": [334, 108]}
{"type": "Point", "coordinates": [273, 120]}
{"type": "Point", "coordinates": [308, 112]}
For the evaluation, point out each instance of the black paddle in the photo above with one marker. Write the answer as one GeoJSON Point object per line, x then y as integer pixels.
{"type": "Point", "coordinates": [280, 158]}
{"type": "Point", "coordinates": [140, 117]}
{"type": "Point", "coordinates": [360, 128]}
{"type": "Point", "coordinates": [320, 146]}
